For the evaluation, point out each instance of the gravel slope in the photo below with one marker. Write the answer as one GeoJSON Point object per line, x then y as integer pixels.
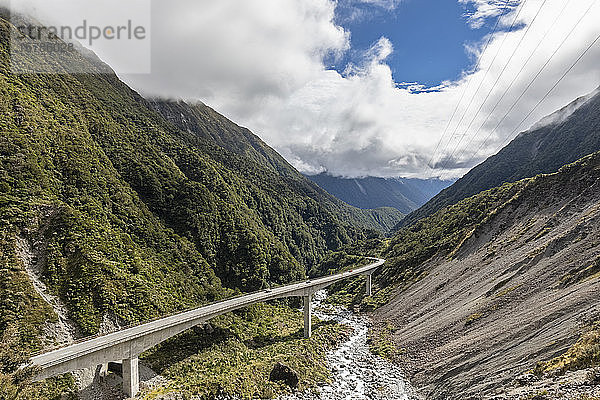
{"type": "Point", "coordinates": [514, 293]}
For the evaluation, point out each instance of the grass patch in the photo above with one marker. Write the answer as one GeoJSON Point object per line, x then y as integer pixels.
{"type": "Point", "coordinates": [585, 353]}
{"type": "Point", "coordinates": [590, 272]}
{"type": "Point", "coordinates": [380, 342]}
{"type": "Point", "coordinates": [473, 317]}
{"type": "Point", "coordinates": [238, 353]}
{"type": "Point", "coordinates": [379, 298]}
{"type": "Point", "coordinates": [507, 290]}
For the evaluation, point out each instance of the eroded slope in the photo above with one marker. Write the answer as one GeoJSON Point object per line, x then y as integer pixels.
{"type": "Point", "coordinates": [514, 287]}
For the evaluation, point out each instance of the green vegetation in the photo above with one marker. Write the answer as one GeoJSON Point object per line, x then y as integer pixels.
{"type": "Point", "coordinates": [15, 383]}
{"type": "Point", "coordinates": [473, 317]}
{"type": "Point", "coordinates": [585, 353]}
{"type": "Point", "coordinates": [239, 351]}
{"type": "Point", "coordinates": [122, 213]}
{"type": "Point", "coordinates": [506, 291]}
{"type": "Point", "coordinates": [209, 124]}
{"type": "Point", "coordinates": [591, 271]}
{"type": "Point", "coordinates": [380, 342]}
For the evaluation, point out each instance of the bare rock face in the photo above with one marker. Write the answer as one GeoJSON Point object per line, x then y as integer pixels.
{"type": "Point", "coordinates": [283, 373]}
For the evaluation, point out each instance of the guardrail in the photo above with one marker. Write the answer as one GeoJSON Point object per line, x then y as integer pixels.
{"type": "Point", "coordinates": [127, 343]}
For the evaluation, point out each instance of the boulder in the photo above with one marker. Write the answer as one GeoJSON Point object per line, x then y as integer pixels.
{"type": "Point", "coordinates": [283, 373]}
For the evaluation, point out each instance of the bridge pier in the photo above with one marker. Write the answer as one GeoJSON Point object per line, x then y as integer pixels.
{"type": "Point", "coordinates": [103, 371]}
{"type": "Point", "coordinates": [307, 319]}
{"type": "Point", "coordinates": [129, 343]}
{"type": "Point", "coordinates": [131, 376]}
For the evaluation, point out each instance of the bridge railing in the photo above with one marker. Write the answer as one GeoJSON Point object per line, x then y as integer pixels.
{"type": "Point", "coordinates": [133, 325]}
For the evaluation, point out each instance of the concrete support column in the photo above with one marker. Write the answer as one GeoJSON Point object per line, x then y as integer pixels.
{"type": "Point", "coordinates": [307, 321]}
{"type": "Point", "coordinates": [103, 370]}
{"type": "Point", "coordinates": [131, 377]}
{"type": "Point", "coordinates": [369, 285]}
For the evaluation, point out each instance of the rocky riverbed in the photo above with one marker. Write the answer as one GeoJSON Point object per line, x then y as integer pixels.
{"type": "Point", "coordinates": [357, 373]}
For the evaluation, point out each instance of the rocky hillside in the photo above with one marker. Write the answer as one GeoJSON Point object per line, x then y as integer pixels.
{"type": "Point", "coordinates": [406, 195]}
{"type": "Point", "coordinates": [490, 287]}
{"type": "Point", "coordinates": [557, 140]}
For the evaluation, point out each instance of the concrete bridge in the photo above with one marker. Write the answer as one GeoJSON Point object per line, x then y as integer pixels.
{"type": "Point", "coordinates": [129, 343]}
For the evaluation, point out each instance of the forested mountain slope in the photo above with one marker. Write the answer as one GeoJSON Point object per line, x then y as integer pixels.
{"type": "Point", "coordinates": [557, 140]}
{"type": "Point", "coordinates": [124, 217]}
{"type": "Point", "coordinates": [205, 122]}
{"type": "Point", "coordinates": [487, 288]}
{"type": "Point", "coordinates": [202, 121]}
{"type": "Point", "coordinates": [404, 194]}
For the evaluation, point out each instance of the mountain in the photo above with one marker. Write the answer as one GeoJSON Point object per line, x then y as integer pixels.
{"type": "Point", "coordinates": [559, 139]}
{"type": "Point", "coordinates": [112, 214]}
{"type": "Point", "coordinates": [201, 120]}
{"type": "Point", "coordinates": [496, 285]}
{"type": "Point", "coordinates": [406, 195]}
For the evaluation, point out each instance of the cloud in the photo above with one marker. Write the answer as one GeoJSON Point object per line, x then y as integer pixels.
{"type": "Point", "coordinates": [385, 4]}
{"type": "Point", "coordinates": [262, 64]}
{"type": "Point", "coordinates": [355, 11]}
{"type": "Point", "coordinates": [483, 10]}
{"type": "Point", "coordinates": [561, 115]}
{"type": "Point", "coordinates": [265, 70]}
{"type": "Point", "coordinates": [239, 55]}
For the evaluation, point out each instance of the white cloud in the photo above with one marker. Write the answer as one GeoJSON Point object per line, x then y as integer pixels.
{"type": "Point", "coordinates": [485, 9]}
{"type": "Point", "coordinates": [261, 63]}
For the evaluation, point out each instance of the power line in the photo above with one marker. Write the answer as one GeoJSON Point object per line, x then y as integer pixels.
{"type": "Point", "coordinates": [551, 89]}
{"type": "Point", "coordinates": [506, 4]}
{"type": "Point", "coordinates": [499, 76]}
{"type": "Point", "coordinates": [531, 54]}
{"type": "Point", "coordinates": [521, 7]}
{"type": "Point", "coordinates": [534, 78]}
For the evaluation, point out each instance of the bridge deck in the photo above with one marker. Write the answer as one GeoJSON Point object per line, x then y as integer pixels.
{"type": "Point", "coordinates": [98, 344]}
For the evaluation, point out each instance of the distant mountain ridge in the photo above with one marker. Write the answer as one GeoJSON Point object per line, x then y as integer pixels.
{"type": "Point", "coordinates": [558, 139]}
{"type": "Point", "coordinates": [403, 194]}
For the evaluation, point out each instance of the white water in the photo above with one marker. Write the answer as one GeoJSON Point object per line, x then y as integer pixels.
{"type": "Point", "coordinates": [357, 373]}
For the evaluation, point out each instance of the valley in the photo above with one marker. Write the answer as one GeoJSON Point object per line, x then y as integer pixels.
{"type": "Point", "coordinates": [406, 195]}
{"type": "Point", "coordinates": [140, 228]}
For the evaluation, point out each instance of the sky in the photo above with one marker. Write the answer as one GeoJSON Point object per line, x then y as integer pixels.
{"type": "Point", "coordinates": [428, 51]}
{"type": "Point", "coordinates": [391, 88]}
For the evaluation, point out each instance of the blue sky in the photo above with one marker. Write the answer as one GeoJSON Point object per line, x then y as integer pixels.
{"type": "Point", "coordinates": [428, 36]}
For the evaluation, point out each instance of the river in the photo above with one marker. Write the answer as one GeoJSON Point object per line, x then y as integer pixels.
{"type": "Point", "coordinates": [357, 373]}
